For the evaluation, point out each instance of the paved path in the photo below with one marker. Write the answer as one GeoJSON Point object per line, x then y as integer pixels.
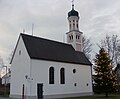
{"type": "Point", "coordinates": [3, 98]}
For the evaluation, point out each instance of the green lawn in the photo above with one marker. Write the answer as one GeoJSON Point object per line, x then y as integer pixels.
{"type": "Point", "coordinates": [111, 96]}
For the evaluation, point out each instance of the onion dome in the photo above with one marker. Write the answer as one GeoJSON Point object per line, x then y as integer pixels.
{"type": "Point", "coordinates": [73, 12]}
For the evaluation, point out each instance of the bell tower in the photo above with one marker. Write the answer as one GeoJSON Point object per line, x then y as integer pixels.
{"type": "Point", "coordinates": [74, 36]}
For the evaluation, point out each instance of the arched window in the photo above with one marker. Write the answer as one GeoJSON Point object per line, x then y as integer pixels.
{"type": "Point", "coordinates": [73, 25]}
{"type": "Point", "coordinates": [70, 26]}
{"type": "Point", "coordinates": [77, 25]}
{"type": "Point", "coordinates": [72, 36]}
{"type": "Point", "coordinates": [62, 76]}
{"type": "Point", "coordinates": [76, 36]}
{"type": "Point", "coordinates": [51, 75]}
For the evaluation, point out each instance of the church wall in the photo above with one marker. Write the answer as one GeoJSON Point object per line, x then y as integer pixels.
{"type": "Point", "coordinates": [40, 74]}
{"type": "Point", "coordinates": [30, 72]}
{"type": "Point", "coordinates": [20, 68]}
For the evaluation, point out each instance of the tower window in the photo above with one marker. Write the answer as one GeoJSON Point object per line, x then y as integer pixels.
{"type": "Point", "coordinates": [73, 20]}
{"type": "Point", "coordinates": [77, 37]}
{"type": "Point", "coordinates": [72, 36]}
{"type": "Point", "coordinates": [77, 25]}
{"type": "Point", "coordinates": [73, 25]}
{"type": "Point", "coordinates": [70, 26]}
{"type": "Point", "coordinates": [62, 76]}
{"type": "Point", "coordinates": [51, 75]}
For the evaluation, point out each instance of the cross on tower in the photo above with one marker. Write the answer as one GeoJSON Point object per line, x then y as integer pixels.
{"type": "Point", "coordinates": [72, 4]}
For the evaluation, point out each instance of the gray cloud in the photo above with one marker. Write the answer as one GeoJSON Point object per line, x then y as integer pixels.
{"type": "Point", "coordinates": [97, 17]}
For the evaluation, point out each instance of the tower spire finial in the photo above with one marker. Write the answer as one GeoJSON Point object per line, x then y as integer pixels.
{"type": "Point", "coordinates": [72, 4]}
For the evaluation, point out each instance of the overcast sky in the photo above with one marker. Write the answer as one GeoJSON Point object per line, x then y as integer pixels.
{"type": "Point", "coordinates": [97, 18]}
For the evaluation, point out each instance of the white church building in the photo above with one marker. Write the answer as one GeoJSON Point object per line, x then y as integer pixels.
{"type": "Point", "coordinates": [50, 69]}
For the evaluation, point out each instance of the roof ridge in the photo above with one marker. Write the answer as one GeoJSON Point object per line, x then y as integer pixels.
{"type": "Point", "coordinates": [45, 39]}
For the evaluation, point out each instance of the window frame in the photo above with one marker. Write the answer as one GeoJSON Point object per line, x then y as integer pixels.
{"type": "Point", "coordinates": [51, 75]}
{"type": "Point", "coordinates": [62, 76]}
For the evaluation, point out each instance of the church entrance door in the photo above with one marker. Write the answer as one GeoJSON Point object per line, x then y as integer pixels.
{"type": "Point", "coordinates": [40, 91]}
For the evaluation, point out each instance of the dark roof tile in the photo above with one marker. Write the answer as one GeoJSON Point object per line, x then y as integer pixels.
{"type": "Point", "coordinates": [39, 48]}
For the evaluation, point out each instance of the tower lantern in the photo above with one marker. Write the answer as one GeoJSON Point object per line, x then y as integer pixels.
{"type": "Point", "coordinates": [74, 36]}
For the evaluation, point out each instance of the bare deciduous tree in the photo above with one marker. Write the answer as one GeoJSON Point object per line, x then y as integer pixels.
{"type": "Point", "coordinates": [1, 62]}
{"type": "Point", "coordinates": [87, 46]}
{"type": "Point", "coordinates": [10, 57]}
{"type": "Point", "coordinates": [1, 65]}
{"type": "Point", "coordinates": [112, 46]}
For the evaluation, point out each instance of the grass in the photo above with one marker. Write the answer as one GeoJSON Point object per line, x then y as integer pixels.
{"type": "Point", "coordinates": [98, 96]}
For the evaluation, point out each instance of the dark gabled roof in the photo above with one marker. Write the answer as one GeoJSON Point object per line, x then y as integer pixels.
{"type": "Point", "coordinates": [39, 48]}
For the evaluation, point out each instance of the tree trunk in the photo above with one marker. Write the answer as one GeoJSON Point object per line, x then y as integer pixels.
{"type": "Point", "coordinates": [106, 94]}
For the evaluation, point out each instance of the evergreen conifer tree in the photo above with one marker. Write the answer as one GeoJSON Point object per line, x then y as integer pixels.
{"type": "Point", "coordinates": [105, 79]}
